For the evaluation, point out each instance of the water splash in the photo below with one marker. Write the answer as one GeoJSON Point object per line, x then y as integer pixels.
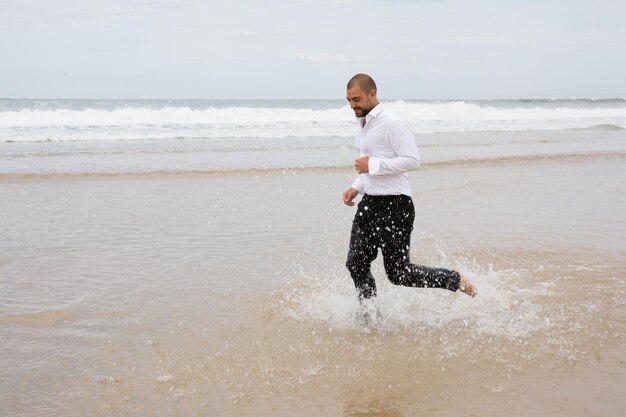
{"type": "Point", "coordinates": [502, 308]}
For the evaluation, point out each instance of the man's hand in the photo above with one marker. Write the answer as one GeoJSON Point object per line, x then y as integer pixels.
{"type": "Point", "coordinates": [361, 164]}
{"type": "Point", "coordinates": [349, 195]}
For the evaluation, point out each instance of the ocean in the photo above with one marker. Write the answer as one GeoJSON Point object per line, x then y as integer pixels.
{"type": "Point", "coordinates": [187, 257]}
{"type": "Point", "coordinates": [139, 136]}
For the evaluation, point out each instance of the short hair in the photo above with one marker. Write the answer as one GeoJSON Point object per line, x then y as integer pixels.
{"type": "Point", "coordinates": [364, 81]}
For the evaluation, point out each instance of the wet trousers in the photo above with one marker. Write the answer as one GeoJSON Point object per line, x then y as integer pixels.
{"type": "Point", "coordinates": [386, 222]}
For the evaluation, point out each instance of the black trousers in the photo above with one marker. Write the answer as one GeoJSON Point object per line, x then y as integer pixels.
{"type": "Point", "coordinates": [386, 222]}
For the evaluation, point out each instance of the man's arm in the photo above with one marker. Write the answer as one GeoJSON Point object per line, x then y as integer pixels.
{"type": "Point", "coordinates": [402, 142]}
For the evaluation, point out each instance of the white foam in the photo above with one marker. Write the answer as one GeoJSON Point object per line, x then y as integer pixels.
{"type": "Point", "coordinates": [501, 308]}
{"type": "Point", "coordinates": [133, 116]}
{"type": "Point", "coordinates": [467, 117]}
{"type": "Point", "coordinates": [131, 123]}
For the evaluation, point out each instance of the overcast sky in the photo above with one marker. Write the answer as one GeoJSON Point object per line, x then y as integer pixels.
{"type": "Point", "coordinates": [472, 49]}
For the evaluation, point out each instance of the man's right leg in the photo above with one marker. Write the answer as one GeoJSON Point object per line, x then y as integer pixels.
{"type": "Point", "coordinates": [396, 241]}
{"type": "Point", "coordinates": [362, 252]}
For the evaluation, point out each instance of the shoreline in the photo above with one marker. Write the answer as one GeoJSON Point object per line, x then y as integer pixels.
{"type": "Point", "coordinates": [469, 163]}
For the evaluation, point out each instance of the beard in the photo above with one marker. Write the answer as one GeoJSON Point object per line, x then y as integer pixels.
{"type": "Point", "coordinates": [361, 111]}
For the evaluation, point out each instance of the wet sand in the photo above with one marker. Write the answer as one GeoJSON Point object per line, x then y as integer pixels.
{"type": "Point", "coordinates": [226, 295]}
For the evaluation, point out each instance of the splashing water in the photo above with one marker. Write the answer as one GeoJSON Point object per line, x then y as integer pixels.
{"type": "Point", "coordinates": [502, 308]}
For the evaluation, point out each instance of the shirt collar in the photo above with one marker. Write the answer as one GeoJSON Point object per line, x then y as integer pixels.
{"type": "Point", "coordinates": [374, 112]}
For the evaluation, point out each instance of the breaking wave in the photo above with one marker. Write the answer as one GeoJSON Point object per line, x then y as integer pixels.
{"type": "Point", "coordinates": [266, 120]}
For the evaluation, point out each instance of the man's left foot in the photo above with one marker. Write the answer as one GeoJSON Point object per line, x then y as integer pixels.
{"type": "Point", "coordinates": [467, 286]}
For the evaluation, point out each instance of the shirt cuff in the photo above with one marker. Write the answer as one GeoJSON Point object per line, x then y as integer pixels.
{"type": "Point", "coordinates": [373, 166]}
{"type": "Point", "coordinates": [359, 185]}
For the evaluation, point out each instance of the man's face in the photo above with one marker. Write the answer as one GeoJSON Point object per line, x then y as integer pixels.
{"type": "Point", "coordinates": [360, 101]}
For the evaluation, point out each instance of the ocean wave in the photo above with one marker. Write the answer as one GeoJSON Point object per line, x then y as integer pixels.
{"type": "Point", "coordinates": [462, 116]}
{"type": "Point", "coordinates": [169, 116]}
{"type": "Point", "coordinates": [148, 123]}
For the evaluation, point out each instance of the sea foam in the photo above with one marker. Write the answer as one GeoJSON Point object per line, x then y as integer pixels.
{"type": "Point", "coordinates": [269, 121]}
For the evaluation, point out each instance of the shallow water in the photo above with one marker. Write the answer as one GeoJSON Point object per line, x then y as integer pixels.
{"type": "Point", "coordinates": [226, 294]}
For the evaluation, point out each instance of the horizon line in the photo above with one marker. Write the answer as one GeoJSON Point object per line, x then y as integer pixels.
{"type": "Point", "coordinates": [310, 99]}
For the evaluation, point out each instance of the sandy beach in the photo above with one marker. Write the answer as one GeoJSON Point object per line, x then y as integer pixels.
{"type": "Point", "coordinates": [225, 294]}
{"type": "Point", "coordinates": [175, 182]}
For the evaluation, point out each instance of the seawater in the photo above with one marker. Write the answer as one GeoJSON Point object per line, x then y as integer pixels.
{"type": "Point", "coordinates": [139, 136]}
{"type": "Point", "coordinates": [227, 295]}
{"type": "Point", "coordinates": [223, 291]}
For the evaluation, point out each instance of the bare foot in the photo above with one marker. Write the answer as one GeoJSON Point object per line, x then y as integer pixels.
{"type": "Point", "coordinates": [467, 286]}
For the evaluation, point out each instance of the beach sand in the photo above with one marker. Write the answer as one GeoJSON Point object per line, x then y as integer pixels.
{"type": "Point", "coordinates": [226, 294]}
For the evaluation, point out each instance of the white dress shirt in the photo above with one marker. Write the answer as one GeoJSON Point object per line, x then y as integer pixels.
{"type": "Point", "coordinates": [390, 145]}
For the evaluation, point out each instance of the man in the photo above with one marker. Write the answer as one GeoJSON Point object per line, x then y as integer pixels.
{"type": "Point", "coordinates": [385, 214]}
